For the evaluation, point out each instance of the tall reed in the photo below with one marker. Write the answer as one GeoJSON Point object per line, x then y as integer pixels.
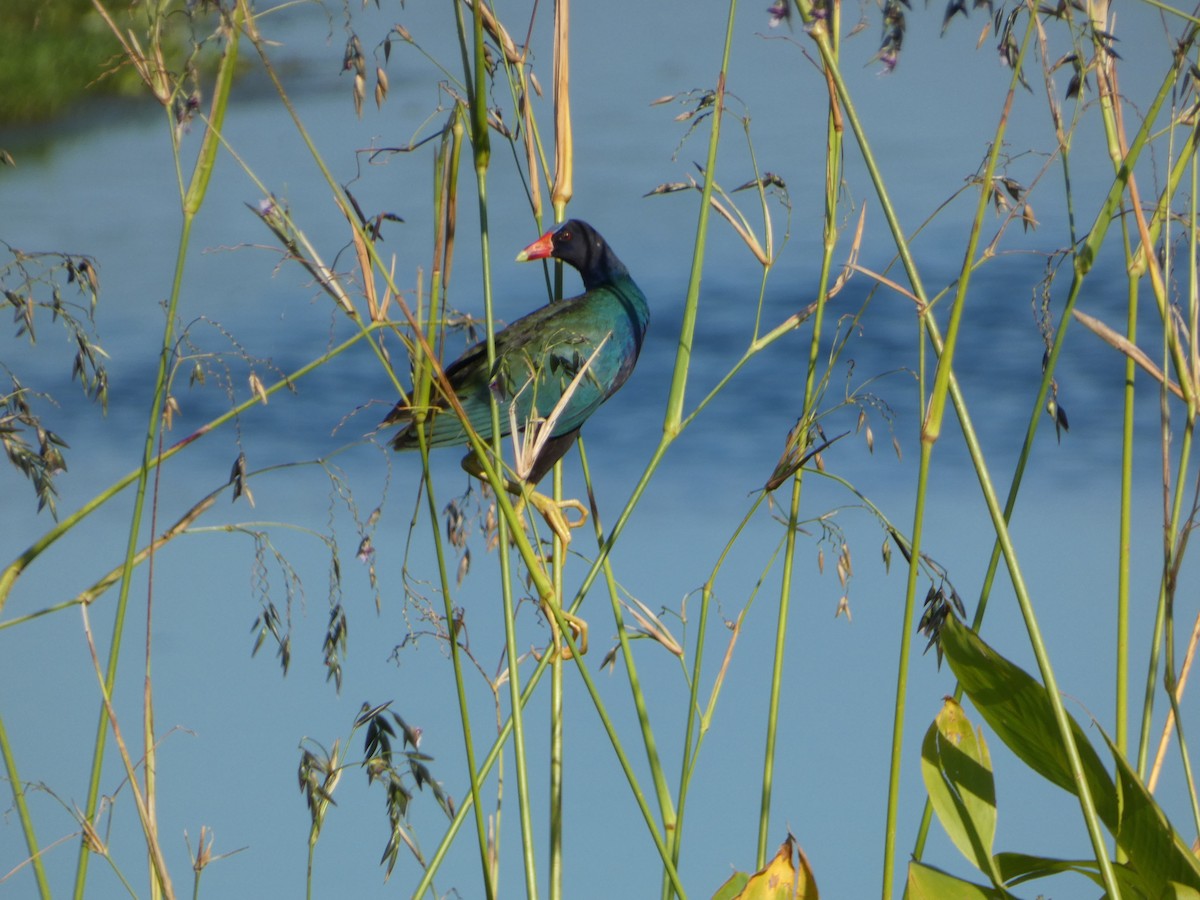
{"type": "Point", "coordinates": [655, 737]}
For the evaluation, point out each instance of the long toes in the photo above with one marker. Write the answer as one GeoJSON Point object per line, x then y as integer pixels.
{"type": "Point", "coordinates": [555, 514]}
{"type": "Point", "coordinates": [579, 632]}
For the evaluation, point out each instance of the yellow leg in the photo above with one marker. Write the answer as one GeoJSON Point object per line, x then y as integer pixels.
{"type": "Point", "coordinates": [553, 511]}
{"type": "Point", "coordinates": [555, 514]}
{"type": "Point", "coordinates": [579, 630]}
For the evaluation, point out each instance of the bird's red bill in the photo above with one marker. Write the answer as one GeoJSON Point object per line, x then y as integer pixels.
{"type": "Point", "coordinates": [539, 249]}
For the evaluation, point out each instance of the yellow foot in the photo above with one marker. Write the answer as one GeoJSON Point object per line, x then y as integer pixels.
{"type": "Point", "coordinates": [555, 514]}
{"type": "Point", "coordinates": [553, 511]}
{"type": "Point", "coordinates": [579, 631]}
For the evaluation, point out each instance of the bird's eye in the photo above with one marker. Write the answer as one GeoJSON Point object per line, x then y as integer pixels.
{"type": "Point", "coordinates": [564, 236]}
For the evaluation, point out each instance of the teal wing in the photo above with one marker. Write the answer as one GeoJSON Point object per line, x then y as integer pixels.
{"type": "Point", "coordinates": [537, 357]}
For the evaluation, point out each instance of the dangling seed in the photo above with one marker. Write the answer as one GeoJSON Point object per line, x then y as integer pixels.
{"type": "Point", "coordinates": [256, 388]}
{"type": "Point", "coordinates": [381, 85]}
{"type": "Point", "coordinates": [170, 410]}
{"type": "Point", "coordinates": [360, 91]}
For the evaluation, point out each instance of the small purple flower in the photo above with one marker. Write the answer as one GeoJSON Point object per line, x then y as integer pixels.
{"type": "Point", "coordinates": [780, 12]}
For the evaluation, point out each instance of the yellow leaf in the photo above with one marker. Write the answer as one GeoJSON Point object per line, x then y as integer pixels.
{"type": "Point", "coordinates": [785, 877]}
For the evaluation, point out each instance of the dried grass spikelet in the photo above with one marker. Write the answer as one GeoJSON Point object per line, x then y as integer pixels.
{"type": "Point", "coordinates": [531, 154]}
{"type": "Point", "coordinates": [537, 431]}
{"type": "Point", "coordinates": [564, 142]}
{"type": "Point", "coordinates": [257, 388]}
{"type": "Point", "coordinates": [651, 625]}
{"type": "Point", "coordinates": [360, 92]}
{"type": "Point", "coordinates": [381, 87]}
{"type": "Point", "coordinates": [498, 33]}
{"type": "Point", "coordinates": [1124, 345]}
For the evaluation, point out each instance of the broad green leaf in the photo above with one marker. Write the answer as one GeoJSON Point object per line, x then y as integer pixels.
{"type": "Point", "coordinates": [1018, 710]}
{"type": "Point", "coordinates": [1016, 868]}
{"type": "Point", "coordinates": [928, 883]}
{"type": "Point", "coordinates": [1154, 848]}
{"type": "Point", "coordinates": [732, 888]}
{"type": "Point", "coordinates": [957, 769]}
{"type": "Point", "coordinates": [1181, 892]}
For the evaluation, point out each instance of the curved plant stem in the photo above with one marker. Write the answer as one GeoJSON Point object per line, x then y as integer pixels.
{"type": "Point", "coordinates": [14, 570]}
{"type": "Point", "coordinates": [474, 64]}
{"type": "Point", "coordinates": [18, 795]}
{"type": "Point", "coordinates": [675, 398]}
{"type": "Point", "coordinates": [833, 158]}
{"type": "Point", "coordinates": [665, 807]}
{"type": "Point", "coordinates": [561, 192]}
{"type": "Point", "coordinates": [445, 192]}
{"type": "Point", "coordinates": [192, 200]}
{"type": "Point", "coordinates": [506, 730]}
{"type": "Point", "coordinates": [998, 517]}
{"type": "Point", "coordinates": [459, 683]}
{"type": "Point", "coordinates": [557, 759]}
{"type": "Point", "coordinates": [697, 721]}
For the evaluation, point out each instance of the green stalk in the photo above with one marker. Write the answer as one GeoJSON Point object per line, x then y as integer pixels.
{"type": "Point", "coordinates": [561, 192]}
{"type": "Point", "coordinates": [1186, 384]}
{"type": "Point", "coordinates": [902, 668]}
{"type": "Point", "coordinates": [930, 431]}
{"type": "Point", "coordinates": [614, 739]}
{"type": "Point", "coordinates": [1125, 521]}
{"type": "Point", "coordinates": [1083, 264]}
{"type": "Point", "coordinates": [456, 659]}
{"type": "Point", "coordinates": [157, 862]}
{"type": "Point", "coordinates": [932, 427]}
{"type": "Point", "coordinates": [325, 276]}
{"type": "Point", "coordinates": [833, 157]}
{"type": "Point", "coordinates": [1177, 531]}
{"type": "Point", "coordinates": [445, 191]}
{"type": "Point", "coordinates": [118, 630]}
{"type": "Point", "coordinates": [497, 747]}
{"type": "Point", "coordinates": [1102, 220]}
{"type": "Point", "coordinates": [557, 757]}
{"type": "Point", "coordinates": [693, 735]}
{"type": "Point", "coordinates": [543, 587]}
{"type": "Point", "coordinates": [665, 806]}
{"type": "Point", "coordinates": [18, 794]}
{"type": "Point", "coordinates": [785, 593]}
{"type": "Point", "coordinates": [16, 568]}
{"type": "Point", "coordinates": [1108, 118]}
{"type": "Point", "coordinates": [1172, 560]}
{"type": "Point", "coordinates": [697, 722]}
{"type": "Point", "coordinates": [191, 203]}
{"type": "Point", "coordinates": [674, 414]}
{"type": "Point", "coordinates": [1194, 325]}
{"type": "Point", "coordinates": [474, 61]}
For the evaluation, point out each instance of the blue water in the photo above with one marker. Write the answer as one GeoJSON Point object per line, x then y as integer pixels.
{"type": "Point", "coordinates": [103, 184]}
